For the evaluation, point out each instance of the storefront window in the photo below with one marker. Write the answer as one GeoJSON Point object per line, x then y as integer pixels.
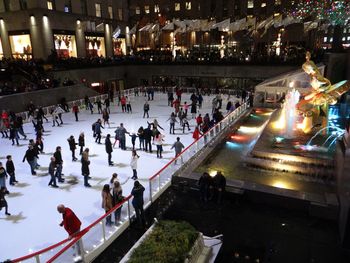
{"type": "Point", "coordinates": [95, 46]}
{"type": "Point", "coordinates": [119, 46]}
{"type": "Point", "coordinates": [65, 46]}
{"type": "Point", "coordinates": [21, 46]}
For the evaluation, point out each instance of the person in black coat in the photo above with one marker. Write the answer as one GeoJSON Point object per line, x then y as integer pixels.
{"type": "Point", "coordinates": [204, 183]}
{"type": "Point", "coordinates": [137, 202]}
{"type": "Point", "coordinates": [10, 168]}
{"type": "Point", "coordinates": [219, 185]}
{"type": "Point", "coordinates": [3, 202]}
{"type": "Point", "coordinates": [109, 149]}
{"type": "Point", "coordinates": [59, 163]}
{"type": "Point", "coordinates": [52, 167]}
{"type": "Point", "coordinates": [81, 142]}
{"type": "Point", "coordinates": [72, 147]}
{"type": "Point", "coordinates": [85, 171]}
{"type": "Point", "coordinates": [147, 133]}
{"type": "Point", "coordinates": [30, 155]}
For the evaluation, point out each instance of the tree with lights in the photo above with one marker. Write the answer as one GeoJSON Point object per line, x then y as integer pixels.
{"type": "Point", "coordinates": [335, 12]}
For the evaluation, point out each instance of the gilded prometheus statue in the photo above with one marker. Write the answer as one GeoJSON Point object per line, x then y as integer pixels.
{"type": "Point", "coordinates": [315, 105]}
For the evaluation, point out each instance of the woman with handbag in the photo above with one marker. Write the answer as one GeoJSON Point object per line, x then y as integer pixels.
{"type": "Point", "coordinates": [107, 203]}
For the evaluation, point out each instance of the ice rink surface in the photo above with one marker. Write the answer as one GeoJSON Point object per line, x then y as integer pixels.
{"type": "Point", "coordinates": [34, 223]}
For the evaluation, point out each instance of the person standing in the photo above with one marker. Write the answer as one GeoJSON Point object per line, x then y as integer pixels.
{"type": "Point", "coordinates": [122, 139]}
{"type": "Point", "coordinates": [219, 185]}
{"type": "Point", "coordinates": [59, 163]}
{"type": "Point", "coordinates": [13, 134]}
{"type": "Point", "coordinates": [133, 140]}
{"type": "Point", "coordinates": [137, 202]}
{"type": "Point", "coordinates": [123, 103]}
{"type": "Point", "coordinates": [140, 134]}
{"type": "Point", "coordinates": [85, 171]}
{"type": "Point", "coordinates": [172, 120]}
{"type": "Point", "coordinates": [3, 176]}
{"type": "Point", "coordinates": [185, 123]}
{"type": "Point", "coordinates": [105, 117]}
{"type": "Point", "coordinates": [81, 142]}
{"type": "Point", "coordinates": [99, 106]}
{"type": "Point", "coordinates": [158, 141]}
{"type": "Point", "coordinates": [109, 149]}
{"type": "Point", "coordinates": [52, 167]}
{"type": "Point", "coordinates": [204, 184]}
{"type": "Point", "coordinates": [178, 146]}
{"type": "Point", "coordinates": [70, 222]}
{"type": "Point", "coordinates": [196, 133]}
{"type": "Point", "coordinates": [30, 155]}
{"type": "Point", "coordinates": [98, 131]}
{"type": "Point", "coordinates": [133, 164]}
{"type": "Point", "coordinates": [19, 126]}
{"type": "Point", "coordinates": [117, 194]}
{"type": "Point", "coordinates": [107, 104]}
{"type": "Point", "coordinates": [107, 203]}
{"type": "Point", "coordinates": [146, 109]}
{"type": "Point", "coordinates": [128, 105]}
{"type": "Point", "coordinates": [75, 110]}
{"type": "Point", "coordinates": [3, 202]}
{"type": "Point", "coordinates": [72, 147]}
{"type": "Point", "coordinates": [10, 168]}
{"type": "Point", "coordinates": [148, 138]}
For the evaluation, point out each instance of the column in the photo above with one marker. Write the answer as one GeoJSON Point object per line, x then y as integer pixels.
{"type": "Point", "coordinates": [80, 40]}
{"type": "Point", "coordinates": [5, 39]}
{"type": "Point", "coordinates": [108, 41]}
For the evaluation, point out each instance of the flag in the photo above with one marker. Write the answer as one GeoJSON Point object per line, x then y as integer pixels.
{"type": "Point", "coordinates": [146, 27]}
{"type": "Point", "coordinates": [169, 26]}
{"type": "Point", "coordinates": [289, 20]}
{"type": "Point", "coordinates": [133, 30]}
{"type": "Point", "coordinates": [263, 23]}
{"type": "Point", "coordinates": [251, 23]}
{"type": "Point", "coordinates": [277, 21]}
{"type": "Point", "coordinates": [310, 25]}
{"type": "Point", "coordinates": [223, 25]}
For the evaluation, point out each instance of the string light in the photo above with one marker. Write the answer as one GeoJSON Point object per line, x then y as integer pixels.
{"type": "Point", "coordinates": [337, 12]}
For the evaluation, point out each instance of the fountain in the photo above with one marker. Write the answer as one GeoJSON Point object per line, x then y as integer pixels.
{"type": "Point", "coordinates": [304, 131]}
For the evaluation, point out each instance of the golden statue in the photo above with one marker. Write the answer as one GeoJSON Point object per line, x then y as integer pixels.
{"type": "Point", "coordinates": [315, 105]}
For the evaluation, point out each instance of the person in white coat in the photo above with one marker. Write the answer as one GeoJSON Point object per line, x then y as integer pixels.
{"type": "Point", "coordinates": [133, 164]}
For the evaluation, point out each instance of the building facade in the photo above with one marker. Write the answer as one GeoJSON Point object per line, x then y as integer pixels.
{"type": "Point", "coordinates": [71, 28]}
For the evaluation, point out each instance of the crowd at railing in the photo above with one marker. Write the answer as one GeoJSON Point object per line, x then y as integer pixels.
{"type": "Point", "coordinates": [93, 239]}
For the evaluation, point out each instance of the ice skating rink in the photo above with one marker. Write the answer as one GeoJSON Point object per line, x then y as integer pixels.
{"type": "Point", "coordinates": [34, 223]}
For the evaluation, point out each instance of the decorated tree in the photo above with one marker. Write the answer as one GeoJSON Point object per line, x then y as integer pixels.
{"type": "Point", "coordinates": [335, 12]}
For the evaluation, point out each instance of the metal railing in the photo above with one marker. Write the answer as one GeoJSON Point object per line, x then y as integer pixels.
{"type": "Point", "coordinates": [92, 240]}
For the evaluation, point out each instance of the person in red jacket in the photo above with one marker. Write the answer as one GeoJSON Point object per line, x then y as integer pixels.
{"type": "Point", "coordinates": [196, 134]}
{"type": "Point", "coordinates": [199, 120]}
{"type": "Point", "coordinates": [71, 222]}
{"type": "Point", "coordinates": [123, 103]}
{"type": "Point", "coordinates": [75, 110]}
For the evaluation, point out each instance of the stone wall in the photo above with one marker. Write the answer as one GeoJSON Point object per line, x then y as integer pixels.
{"type": "Point", "coordinates": [19, 102]}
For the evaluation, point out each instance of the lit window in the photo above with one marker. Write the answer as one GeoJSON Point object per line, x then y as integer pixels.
{"type": "Point", "coordinates": [348, 30]}
{"type": "Point", "coordinates": [49, 5]}
{"type": "Point", "coordinates": [188, 5]}
{"type": "Point", "coordinates": [98, 10]}
{"type": "Point", "coordinates": [120, 14]}
{"type": "Point", "coordinates": [147, 9]}
{"type": "Point", "coordinates": [110, 12]}
{"type": "Point", "coordinates": [343, 39]}
{"type": "Point", "coordinates": [276, 14]}
{"type": "Point", "coordinates": [156, 8]}
{"type": "Point", "coordinates": [325, 39]}
{"type": "Point", "coordinates": [250, 4]}
{"type": "Point", "coordinates": [331, 39]}
{"type": "Point", "coordinates": [177, 6]}
{"type": "Point", "coordinates": [137, 10]}
{"type": "Point", "coordinates": [66, 9]}
{"type": "Point", "coordinates": [263, 4]}
{"type": "Point", "coordinates": [348, 38]}
{"type": "Point", "coordinates": [277, 2]}
{"type": "Point", "coordinates": [344, 31]}
{"type": "Point", "coordinates": [199, 7]}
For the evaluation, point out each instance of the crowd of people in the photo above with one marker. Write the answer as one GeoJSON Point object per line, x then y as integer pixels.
{"type": "Point", "coordinates": [182, 112]}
